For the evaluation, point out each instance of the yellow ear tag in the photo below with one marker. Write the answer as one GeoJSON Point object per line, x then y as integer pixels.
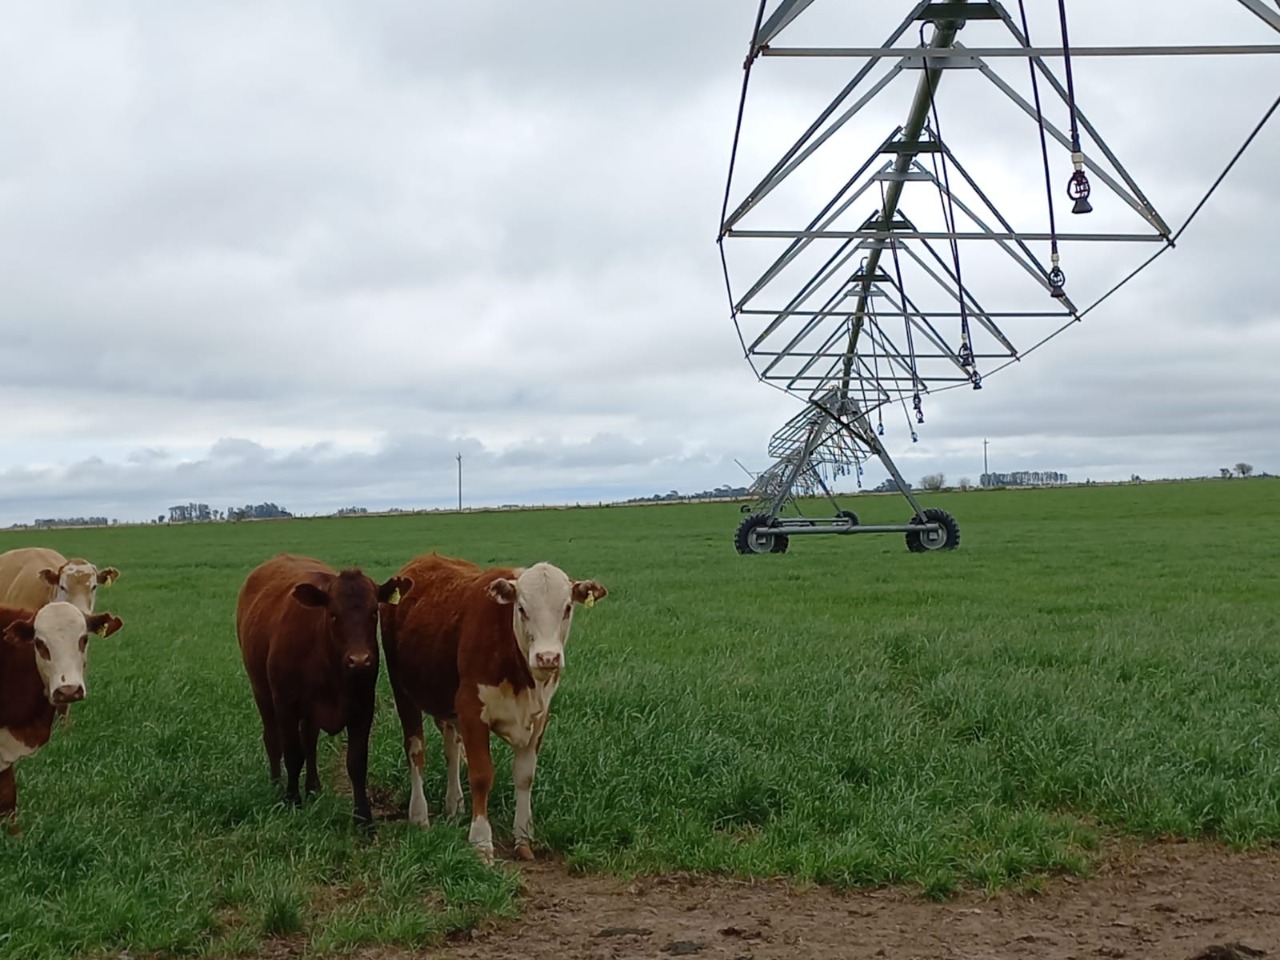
{"type": "Point", "coordinates": [101, 631]}
{"type": "Point", "coordinates": [590, 601]}
{"type": "Point", "coordinates": [395, 596]}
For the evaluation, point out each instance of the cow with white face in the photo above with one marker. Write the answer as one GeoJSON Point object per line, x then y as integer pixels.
{"type": "Point", "coordinates": [42, 671]}
{"type": "Point", "coordinates": [30, 577]}
{"type": "Point", "coordinates": [541, 599]}
{"type": "Point", "coordinates": [481, 651]}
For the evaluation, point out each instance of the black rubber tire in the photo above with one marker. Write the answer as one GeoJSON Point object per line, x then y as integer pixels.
{"type": "Point", "coordinates": [849, 515]}
{"type": "Point", "coordinates": [946, 539]}
{"type": "Point", "coordinates": [746, 540]}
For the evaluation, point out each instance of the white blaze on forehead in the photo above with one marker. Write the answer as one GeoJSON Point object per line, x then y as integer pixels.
{"type": "Point", "coordinates": [60, 627]}
{"type": "Point", "coordinates": [77, 584]}
{"type": "Point", "coordinates": [543, 592]}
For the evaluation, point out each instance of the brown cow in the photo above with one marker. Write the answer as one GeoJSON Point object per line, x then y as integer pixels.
{"type": "Point", "coordinates": [42, 664]}
{"type": "Point", "coordinates": [309, 638]}
{"type": "Point", "coordinates": [480, 650]}
{"type": "Point", "coordinates": [30, 577]}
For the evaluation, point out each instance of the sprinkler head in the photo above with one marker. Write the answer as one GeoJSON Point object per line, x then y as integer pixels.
{"type": "Point", "coordinates": [1057, 280]}
{"type": "Point", "coordinates": [1078, 190]}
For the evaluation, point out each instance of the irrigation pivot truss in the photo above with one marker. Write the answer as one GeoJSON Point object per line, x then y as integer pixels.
{"type": "Point", "coordinates": [894, 249]}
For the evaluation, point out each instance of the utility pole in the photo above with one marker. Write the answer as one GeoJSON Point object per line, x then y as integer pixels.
{"type": "Point", "coordinates": [459, 482]}
{"type": "Point", "coordinates": [985, 471]}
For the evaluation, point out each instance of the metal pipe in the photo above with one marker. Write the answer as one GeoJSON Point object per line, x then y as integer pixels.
{"type": "Point", "coordinates": [919, 53]}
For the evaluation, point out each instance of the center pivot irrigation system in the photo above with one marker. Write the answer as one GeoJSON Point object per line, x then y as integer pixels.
{"type": "Point", "coordinates": [869, 268]}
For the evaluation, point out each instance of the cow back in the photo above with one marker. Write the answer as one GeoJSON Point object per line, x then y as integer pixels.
{"type": "Point", "coordinates": [273, 627]}
{"type": "Point", "coordinates": [21, 585]}
{"type": "Point", "coordinates": [448, 627]}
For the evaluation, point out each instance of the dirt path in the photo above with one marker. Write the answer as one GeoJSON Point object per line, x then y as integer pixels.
{"type": "Point", "coordinates": [1174, 900]}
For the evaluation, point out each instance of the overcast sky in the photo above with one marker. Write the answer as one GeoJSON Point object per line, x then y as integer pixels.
{"type": "Point", "coordinates": [308, 252]}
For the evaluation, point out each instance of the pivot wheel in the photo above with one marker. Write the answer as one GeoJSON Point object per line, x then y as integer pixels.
{"type": "Point", "coordinates": [946, 538]}
{"type": "Point", "coordinates": [850, 516]}
{"type": "Point", "coordinates": [751, 539]}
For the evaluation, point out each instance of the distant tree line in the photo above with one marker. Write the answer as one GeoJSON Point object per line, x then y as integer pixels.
{"type": "Point", "coordinates": [351, 511]}
{"type": "Point", "coordinates": [201, 513]}
{"type": "Point", "coordinates": [70, 522]}
{"type": "Point", "coordinates": [1241, 470]}
{"type": "Point", "coordinates": [722, 493]}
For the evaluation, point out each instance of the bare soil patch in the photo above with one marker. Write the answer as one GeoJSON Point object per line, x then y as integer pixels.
{"type": "Point", "coordinates": [1168, 900]}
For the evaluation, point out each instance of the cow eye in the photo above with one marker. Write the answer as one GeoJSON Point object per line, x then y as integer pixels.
{"type": "Point", "coordinates": [523, 614]}
{"type": "Point", "coordinates": [84, 642]}
{"type": "Point", "coordinates": [568, 609]}
{"type": "Point", "coordinates": [41, 648]}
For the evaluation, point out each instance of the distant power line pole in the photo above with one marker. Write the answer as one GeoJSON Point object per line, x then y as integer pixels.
{"type": "Point", "coordinates": [984, 456]}
{"type": "Point", "coordinates": [459, 482]}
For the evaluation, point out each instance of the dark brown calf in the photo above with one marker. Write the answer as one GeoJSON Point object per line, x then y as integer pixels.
{"type": "Point", "coordinates": [309, 639]}
{"type": "Point", "coordinates": [42, 664]}
{"type": "Point", "coordinates": [479, 650]}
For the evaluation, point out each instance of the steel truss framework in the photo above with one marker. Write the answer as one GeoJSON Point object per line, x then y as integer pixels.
{"type": "Point", "coordinates": [859, 313]}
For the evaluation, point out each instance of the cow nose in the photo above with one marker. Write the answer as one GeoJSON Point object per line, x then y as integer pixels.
{"type": "Point", "coordinates": [68, 693]}
{"type": "Point", "coordinates": [359, 661]}
{"type": "Point", "coordinates": [547, 661]}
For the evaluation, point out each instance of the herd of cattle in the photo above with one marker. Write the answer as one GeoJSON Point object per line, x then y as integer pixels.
{"type": "Point", "coordinates": [480, 650]}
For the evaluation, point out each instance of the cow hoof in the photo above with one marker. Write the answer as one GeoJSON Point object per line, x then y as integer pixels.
{"type": "Point", "coordinates": [485, 853]}
{"type": "Point", "coordinates": [523, 851]}
{"type": "Point", "coordinates": [418, 815]}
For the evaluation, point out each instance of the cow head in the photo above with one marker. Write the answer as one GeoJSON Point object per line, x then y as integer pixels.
{"type": "Point", "coordinates": [77, 581]}
{"type": "Point", "coordinates": [542, 599]}
{"type": "Point", "coordinates": [59, 634]}
{"type": "Point", "coordinates": [350, 601]}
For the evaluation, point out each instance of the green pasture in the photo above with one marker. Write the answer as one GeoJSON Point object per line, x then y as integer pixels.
{"type": "Point", "coordinates": [1091, 662]}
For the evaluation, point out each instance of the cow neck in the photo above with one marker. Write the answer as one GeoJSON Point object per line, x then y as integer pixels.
{"type": "Point", "coordinates": [22, 699]}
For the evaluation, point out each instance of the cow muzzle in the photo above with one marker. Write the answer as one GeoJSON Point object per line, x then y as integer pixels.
{"type": "Point", "coordinates": [358, 662]}
{"type": "Point", "coordinates": [548, 660]}
{"type": "Point", "coordinates": [67, 693]}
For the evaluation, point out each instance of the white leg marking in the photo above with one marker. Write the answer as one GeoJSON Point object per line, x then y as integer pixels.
{"type": "Point", "coordinates": [453, 776]}
{"type": "Point", "coordinates": [523, 764]}
{"type": "Point", "coordinates": [481, 837]}
{"type": "Point", "coordinates": [417, 799]}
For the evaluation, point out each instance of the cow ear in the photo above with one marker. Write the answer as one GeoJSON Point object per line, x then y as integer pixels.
{"type": "Point", "coordinates": [20, 633]}
{"type": "Point", "coordinates": [503, 590]}
{"type": "Point", "coordinates": [103, 624]}
{"type": "Point", "coordinates": [309, 595]}
{"type": "Point", "coordinates": [587, 592]}
{"type": "Point", "coordinates": [108, 576]}
{"type": "Point", "coordinates": [49, 576]}
{"type": "Point", "coordinates": [394, 589]}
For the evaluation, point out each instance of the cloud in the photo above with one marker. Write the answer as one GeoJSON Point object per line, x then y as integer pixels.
{"type": "Point", "coordinates": [309, 254]}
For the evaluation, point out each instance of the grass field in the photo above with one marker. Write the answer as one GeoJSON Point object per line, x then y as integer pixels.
{"type": "Point", "coordinates": [1090, 662]}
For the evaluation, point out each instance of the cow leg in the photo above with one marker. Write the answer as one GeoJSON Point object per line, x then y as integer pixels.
{"type": "Point", "coordinates": [9, 800]}
{"type": "Point", "coordinates": [415, 749]}
{"type": "Point", "coordinates": [358, 728]}
{"type": "Point", "coordinates": [291, 746]}
{"type": "Point", "coordinates": [453, 768]}
{"type": "Point", "coordinates": [310, 733]}
{"type": "Point", "coordinates": [475, 739]}
{"type": "Point", "coordinates": [524, 763]}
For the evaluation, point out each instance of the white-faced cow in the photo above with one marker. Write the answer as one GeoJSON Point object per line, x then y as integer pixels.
{"type": "Point", "coordinates": [479, 650]}
{"type": "Point", "coordinates": [30, 577]}
{"type": "Point", "coordinates": [42, 670]}
{"type": "Point", "coordinates": [309, 638]}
